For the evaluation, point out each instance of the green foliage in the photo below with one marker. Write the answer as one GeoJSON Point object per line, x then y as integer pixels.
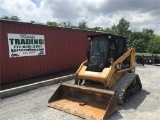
{"type": "Point", "coordinates": [122, 28]}
{"type": "Point", "coordinates": [148, 31]}
{"type": "Point", "coordinates": [145, 41]}
{"type": "Point", "coordinates": [142, 41]}
{"type": "Point", "coordinates": [139, 45]}
{"type": "Point", "coordinates": [108, 30]}
{"type": "Point", "coordinates": [82, 25]}
{"type": "Point", "coordinates": [52, 23]}
{"type": "Point", "coordinates": [13, 18]}
{"type": "Point", "coordinates": [75, 27]}
{"type": "Point", "coordinates": [97, 29]}
{"type": "Point", "coordinates": [65, 24]}
{"type": "Point", "coordinates": [5, 18]}
{"type": "Point", "coordinates": [33, 22]}
{"type": "Point", "coordinates": [62, 24]}
{"type": "Point", "coordinates": [154, 44]}
{"type": "Point", "coordinates": [147, 54]}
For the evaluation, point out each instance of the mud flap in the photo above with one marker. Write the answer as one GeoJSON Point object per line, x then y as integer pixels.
{"type": "Point", "coordinates": [86, 102]}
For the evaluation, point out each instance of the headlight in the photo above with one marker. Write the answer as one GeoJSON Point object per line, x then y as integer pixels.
{"type": "Point", "coordinates": [118, 66]}
{"type": "Point", "coordinates": [133, 70]}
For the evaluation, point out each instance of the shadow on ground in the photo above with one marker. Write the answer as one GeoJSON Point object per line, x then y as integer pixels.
{"type": "Point", "coordinates": [133, 104]}
{"type": "Point", "coordinates": [115, 116]}
{"type": "Point", "coordinates": [136, 101]}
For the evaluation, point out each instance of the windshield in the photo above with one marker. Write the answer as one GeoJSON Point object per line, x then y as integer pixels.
{"type": "Point", "coordinates": [97, 53]}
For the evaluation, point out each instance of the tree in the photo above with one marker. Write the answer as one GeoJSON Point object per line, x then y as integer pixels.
{"type": "Point", "coordinates": [33, 22]}
{"type": "Point", "coordinates": [134, 36]}
{"type": "Point", "coordinates": [97, 28]}
{"type": "Point", "coordinates": [74, 27]}
{"type": "Point", "coordinates": [65, 24]}
{"type": "Point", "coordinates": [122, 28]}
{"type": "Point", "coordinates": [52, 23]}
{"type": "Point", "coordinates": [154, 44]}
{"type": "Point", "coordinates": [108, 29]}
{"type": "Point", "coordinates": [139, 45]}
{"type": "Point", "coordinates": [143, 41]}
{"type": "Point", "coordinates": [14, 18]}
{"type": "Point", "coordinates": [5, 18]}
{"type": "Point", "coordinates": [148, 31]}
{"type": "Point", "coordinates": [82, 25]}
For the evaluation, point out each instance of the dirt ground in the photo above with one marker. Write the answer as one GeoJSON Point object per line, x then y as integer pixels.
{"type": "Point", "coordinates": [32, 105]}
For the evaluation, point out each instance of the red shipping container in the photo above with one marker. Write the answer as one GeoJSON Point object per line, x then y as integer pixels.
{"type": "Point", "coordinates": [65, 50]}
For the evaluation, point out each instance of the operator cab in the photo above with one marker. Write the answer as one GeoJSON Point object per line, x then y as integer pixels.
{"type": "Point", "coordinates": [102, 48]}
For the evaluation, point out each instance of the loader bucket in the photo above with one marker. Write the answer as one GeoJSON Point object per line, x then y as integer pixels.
{"type": "Point", "coordinates": [86, 102]}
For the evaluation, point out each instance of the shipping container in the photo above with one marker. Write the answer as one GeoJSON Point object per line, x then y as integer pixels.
{"type": "Point", "coordinates": [63, 49]}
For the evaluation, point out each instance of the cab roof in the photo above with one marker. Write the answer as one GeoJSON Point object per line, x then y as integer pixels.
{"type": "Point", "coordinates": [108, 34]}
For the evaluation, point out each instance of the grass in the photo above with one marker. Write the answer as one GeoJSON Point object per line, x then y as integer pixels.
{"type": "Point", "coordinates": [147, 54]}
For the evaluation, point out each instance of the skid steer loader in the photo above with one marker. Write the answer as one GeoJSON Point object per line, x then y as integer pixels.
{"type": "Point", "coordinates": [105, 79]}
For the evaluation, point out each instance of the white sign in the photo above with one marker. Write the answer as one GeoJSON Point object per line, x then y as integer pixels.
{"type": "Point", "coordinates": [26, 45]}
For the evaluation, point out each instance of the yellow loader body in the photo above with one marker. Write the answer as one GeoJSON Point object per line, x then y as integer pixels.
{"type": "Point", "coordinates": [95, 93]}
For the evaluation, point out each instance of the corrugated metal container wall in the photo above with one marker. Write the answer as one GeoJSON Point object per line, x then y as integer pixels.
{"type": "Point", "coordinates": [65, 50]}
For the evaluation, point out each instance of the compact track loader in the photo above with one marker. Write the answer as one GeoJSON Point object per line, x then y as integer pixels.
{"type": "Point", "coordinates": [105, 79]}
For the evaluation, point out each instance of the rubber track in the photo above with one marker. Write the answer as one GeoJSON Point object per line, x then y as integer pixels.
{"type": "Point", "coordinates": [121, 86]}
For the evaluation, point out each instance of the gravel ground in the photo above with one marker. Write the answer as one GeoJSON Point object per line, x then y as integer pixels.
{"type": "Point", "coordinates": [32, 105]}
